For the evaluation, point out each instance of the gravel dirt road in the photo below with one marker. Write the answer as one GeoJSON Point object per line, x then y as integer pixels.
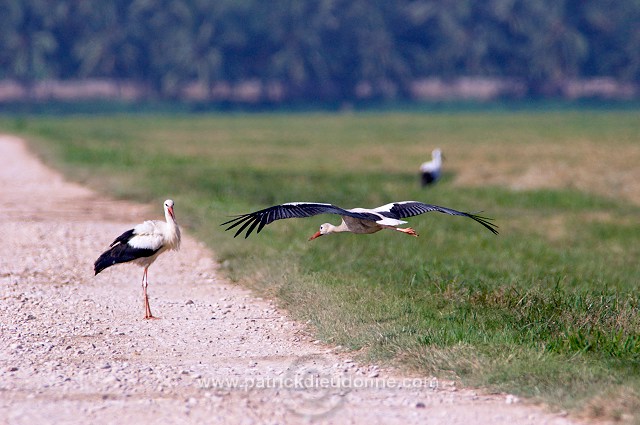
{"type": "Point", "coordinates": [74, 348]}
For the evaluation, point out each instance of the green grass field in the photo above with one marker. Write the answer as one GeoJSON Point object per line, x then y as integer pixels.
{"type": "Point", "coordinates": [548, 309]}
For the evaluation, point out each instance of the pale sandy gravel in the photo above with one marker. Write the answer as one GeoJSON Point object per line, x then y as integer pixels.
{"type": "Point", "coordinates": [75, 349]}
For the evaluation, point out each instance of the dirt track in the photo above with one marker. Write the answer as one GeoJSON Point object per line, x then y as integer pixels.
{"type": "Point", "coordinates": [75, 349]}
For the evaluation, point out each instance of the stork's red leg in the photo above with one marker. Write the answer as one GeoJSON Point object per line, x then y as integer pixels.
{"type": "Point", "coordinates": [408, 230]}
{"type": "Point", "coordinates": [145, 283]}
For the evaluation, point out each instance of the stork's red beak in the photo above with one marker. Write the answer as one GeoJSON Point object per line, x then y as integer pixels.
{"type": "Point", "coordinates": [170, 209]}
{"type": "Point", "coordinates": [315, 235]}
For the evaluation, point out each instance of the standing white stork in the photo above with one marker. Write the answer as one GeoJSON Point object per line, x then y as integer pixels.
{"type": "Point", "coordinates": [430, 171]}
{"type": "Point", "coordinates": [142, 245]}
{"type": "Point", "coordinates": [356, 220]}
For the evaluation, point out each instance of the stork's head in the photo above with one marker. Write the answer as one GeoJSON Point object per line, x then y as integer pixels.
{"type": "Point", "coordinates": [168, 207]}
{"type": "Point", "coordinates": [325, 229]}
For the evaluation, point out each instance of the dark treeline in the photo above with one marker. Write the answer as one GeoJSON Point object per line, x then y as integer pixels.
{"type": "Point", "coordinates": [319, 50]}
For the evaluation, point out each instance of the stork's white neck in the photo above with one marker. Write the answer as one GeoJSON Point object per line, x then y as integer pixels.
{"type": "Point", "coordinates": [437, 157]}
{"type": "Point", "coordinates": [173, 231]}
{"type": "Point", "coordinates": [342, 227]}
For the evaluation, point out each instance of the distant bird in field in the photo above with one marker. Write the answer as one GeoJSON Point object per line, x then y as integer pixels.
{"type": "Point", "coordinates": [430, 171]}
{"type": "Point", "coordinates": [142, 245]}
{"type": "Point", "coordinates": [356, 220]}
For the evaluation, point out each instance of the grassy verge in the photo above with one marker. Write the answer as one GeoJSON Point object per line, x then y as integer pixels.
{"type": "Point", "coordinates": [548, 309]}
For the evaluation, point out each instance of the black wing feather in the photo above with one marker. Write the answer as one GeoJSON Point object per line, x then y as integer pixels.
{"type": "Point", "coordinates": [123, 238]}
{"type": "Point", "coordinates": [406, 209]}
{"type": "Point", "coordinates": [291, 210]}
{"type": "Point", "coordinates": [244, 226]}
{"type": "Point", "coordinates": [121, 252]}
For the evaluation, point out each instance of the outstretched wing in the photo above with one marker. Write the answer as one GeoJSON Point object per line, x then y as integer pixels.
{"type": "Point", "coordinates": [289, 210]}
{"type": "Point", "coordinates": [399, 210]}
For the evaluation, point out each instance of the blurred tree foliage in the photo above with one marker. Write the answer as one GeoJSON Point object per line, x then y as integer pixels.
{"type": "Point", "coordinates": [319, 49]}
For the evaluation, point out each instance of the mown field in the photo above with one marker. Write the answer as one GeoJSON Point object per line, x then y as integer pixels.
{"type": "Point", "coordinates": [548, 309]}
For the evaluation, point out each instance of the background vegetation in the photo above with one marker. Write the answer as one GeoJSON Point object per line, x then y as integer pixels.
{"type": "Point", "coordinates": [324, 50]}
{"type": "Point", "coordinates": [548, 309]}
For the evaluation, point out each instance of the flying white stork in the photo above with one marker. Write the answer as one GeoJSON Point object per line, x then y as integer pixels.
{"type": "Point", "coordinates": [430, 171]}
{"type": "Point", "coordinates": [142, 245]}
{"type": "Point", "coordinates": [356, 220]}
